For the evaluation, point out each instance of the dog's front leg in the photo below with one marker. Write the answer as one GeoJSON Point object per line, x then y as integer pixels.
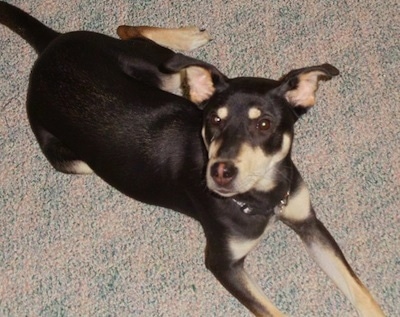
{"type": "Point", "coordinates": [232, 275]}
{"type": "Point", "coordinates": [300, 216]}
{"type": "Point", "coordinates": [325, 251]}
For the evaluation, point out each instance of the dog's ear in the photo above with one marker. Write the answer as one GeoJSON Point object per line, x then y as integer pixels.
{"type": "Point", "coordinates": [202, 79]}
{"type": "Point", "coordinates": [299, 86]}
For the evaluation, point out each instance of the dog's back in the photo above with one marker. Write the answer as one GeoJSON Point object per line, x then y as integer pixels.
{"type": "Point", "coordinates": [94, 104]}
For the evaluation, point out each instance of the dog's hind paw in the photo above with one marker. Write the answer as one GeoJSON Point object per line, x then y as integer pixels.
{"type": "Point", "coordinates": [191, 37]}
{"type": "Point", "coordinates": [182, 39]}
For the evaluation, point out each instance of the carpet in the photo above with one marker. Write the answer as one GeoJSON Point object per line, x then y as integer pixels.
{"type": "Point", "coordinates": [73, 246]}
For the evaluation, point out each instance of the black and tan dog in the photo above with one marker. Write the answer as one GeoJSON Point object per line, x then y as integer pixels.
{"type": "Point", "coordinates": [99, 104]}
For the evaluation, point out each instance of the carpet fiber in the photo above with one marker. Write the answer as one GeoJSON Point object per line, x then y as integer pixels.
{"type": "Point", "coordinates": [73, 246]}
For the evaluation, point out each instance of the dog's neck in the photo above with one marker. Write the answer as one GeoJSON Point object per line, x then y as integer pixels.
{"type": "Point", "coordinates": [253, 203]}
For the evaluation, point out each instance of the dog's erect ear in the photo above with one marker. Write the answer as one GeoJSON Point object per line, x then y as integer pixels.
{"type": "Point", "coordinates": [299, 86]}
{"type": "Point", "coordinates": [202, 78]}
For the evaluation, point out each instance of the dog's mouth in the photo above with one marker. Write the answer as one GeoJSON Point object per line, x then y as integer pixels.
{"type": "Point", "coordinates": [227, 180]}
{"type": "Point", "coordinates": [240, 183]}
{"type": "Point", "coordinates": [230, 189]}
{"type": "Point", "coordinates": [230, 177]}
{"type": "Point", "coordinates": [225, 193]}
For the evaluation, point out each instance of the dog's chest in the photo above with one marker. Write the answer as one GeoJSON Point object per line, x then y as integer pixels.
{"type": "Point", "coordinates": [241, 246]}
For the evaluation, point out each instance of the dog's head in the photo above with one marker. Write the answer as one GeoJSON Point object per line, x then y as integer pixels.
{"type": "Point", "coordinates": [248, 122]}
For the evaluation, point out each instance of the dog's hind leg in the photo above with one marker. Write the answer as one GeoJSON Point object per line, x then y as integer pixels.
{"type": "Point", "coordinates": [60, 156]}
{"type": "Point", "coordinates": [182, 39]}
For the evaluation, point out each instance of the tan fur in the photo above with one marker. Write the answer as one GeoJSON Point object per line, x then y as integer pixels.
{"type": "Point", "coordinates": [257, 293]}
{"type": "Point", "coordinates": [77, 167]}
{"type": "Point", "coordinates": [254, 113]}
{"type": "Point", "coordinates": [200, 82]}
{"type": "Point", "coordinates": [299, 205]}
{"type": "Point", "coordinates": [222, 113]}
{"type": "Point", "coordinates": [256, 169]}
{"type": "Point", "coordinates": [183, 39]}
{"type": "Point", "coordinates": [351, 286]}
{"type": "Point", "coordinates": [304, 94]}
{"type": "Point", "coordinates": [173, 84]}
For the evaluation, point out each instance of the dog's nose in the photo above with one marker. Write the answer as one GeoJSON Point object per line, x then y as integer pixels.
{"type": "Point", "coordinates": [223, 173]}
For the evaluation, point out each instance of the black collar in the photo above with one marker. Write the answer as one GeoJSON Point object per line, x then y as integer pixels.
{"type": "Point", "coordinates": [245, 208]}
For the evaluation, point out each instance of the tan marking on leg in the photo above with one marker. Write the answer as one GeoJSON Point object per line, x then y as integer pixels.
{"type": "Point", "coordinates": [78, 167]}
{"type": "Point", "coordinates": [257, 293]}
{"type": "Point", "coordinates": [183, 39]}
{"type": "Point", "coordinates": [352, 288]}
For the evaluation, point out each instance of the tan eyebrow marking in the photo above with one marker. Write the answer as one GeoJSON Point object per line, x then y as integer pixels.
{"type": "Point", "coordinates": [222, 112]}
{"type": "Point", "coordinates": [254, 113]}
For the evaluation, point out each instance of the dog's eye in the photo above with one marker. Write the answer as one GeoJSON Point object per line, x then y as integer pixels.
{"type": "Point", "coordinates": [215, 120]}
{"type": "Point", "coordinates": [263, 124]}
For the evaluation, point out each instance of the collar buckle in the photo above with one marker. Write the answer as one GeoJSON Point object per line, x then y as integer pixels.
{"type": "Point", "coordinates": [282, 204]}
{"type": "Point", "coordinates": [243, 206]}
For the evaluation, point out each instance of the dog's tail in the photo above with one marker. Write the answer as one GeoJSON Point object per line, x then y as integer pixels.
{"type": "Point", "coordinates": [33, 31]}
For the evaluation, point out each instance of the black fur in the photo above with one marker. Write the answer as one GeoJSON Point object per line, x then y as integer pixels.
{"type": "Point", "coordinates": [97, 99]}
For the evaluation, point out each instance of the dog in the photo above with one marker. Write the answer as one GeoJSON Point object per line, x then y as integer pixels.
{"type": "Point", "coordinates": [219, 154]}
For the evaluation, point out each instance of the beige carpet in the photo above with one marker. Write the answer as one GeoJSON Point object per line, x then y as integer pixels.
{"type": "Point", "coordinates": [72, 246]}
